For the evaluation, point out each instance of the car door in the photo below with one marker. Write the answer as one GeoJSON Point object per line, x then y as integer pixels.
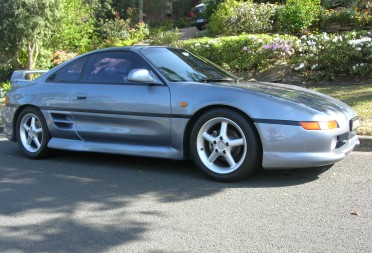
{"type": "Point", "coordinates": [108, 108]}
{"type": "Point", "coordinates": [57, 96]}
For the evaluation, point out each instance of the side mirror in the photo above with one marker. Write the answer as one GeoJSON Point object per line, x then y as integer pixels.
{"type": "Point", "coordinates": [142, 76]}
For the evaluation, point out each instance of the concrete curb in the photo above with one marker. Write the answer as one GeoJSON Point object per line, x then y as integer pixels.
{"type": "Point", "coordinates": [365, 143]}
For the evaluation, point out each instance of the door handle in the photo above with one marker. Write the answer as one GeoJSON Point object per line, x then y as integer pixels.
{"type": "Point", "coordinates": [81, 97]}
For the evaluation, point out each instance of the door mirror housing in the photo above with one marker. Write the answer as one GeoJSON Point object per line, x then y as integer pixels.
{"type": "Point", "coordinates": [143, 76]}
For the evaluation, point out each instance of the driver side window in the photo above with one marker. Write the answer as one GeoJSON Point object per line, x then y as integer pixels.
{"type": "Point", "coordinates": [112, 67]}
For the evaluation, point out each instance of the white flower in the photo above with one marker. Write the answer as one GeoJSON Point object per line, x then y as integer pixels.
{"type": "Point", "coordinates": [301, 66]}
{"type": "Point", "coordinates": [325, 37]}
{"type": "Point", "coordinates": [365, 40]}
{"type": "Point", "coordinates": [314, 66]}
{"type": "Point", "coordinates": [311, 43]}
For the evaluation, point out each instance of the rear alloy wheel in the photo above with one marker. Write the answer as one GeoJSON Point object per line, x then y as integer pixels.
{"type": "Point", "coordinates": [32, 133]}
{"type": "Point", "coordinates": [224, 145]}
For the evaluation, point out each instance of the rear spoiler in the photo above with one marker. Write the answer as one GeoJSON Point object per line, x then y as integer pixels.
{"type": "Point", "coordinates": [21, 74]}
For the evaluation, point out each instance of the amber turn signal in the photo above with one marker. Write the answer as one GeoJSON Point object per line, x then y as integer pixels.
{"type": "Point", "coordinates": [319, 125]}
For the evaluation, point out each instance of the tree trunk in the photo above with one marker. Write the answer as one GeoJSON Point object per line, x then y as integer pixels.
{"type": "Point", "coordinates": [33, 52]}
{"type": "Point", "coordinates": [140, 10]}
{"type": "Point", "coordinates": [18, 63]}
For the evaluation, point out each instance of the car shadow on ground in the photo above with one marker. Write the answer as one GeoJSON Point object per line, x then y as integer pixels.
{"type": "Point", "coordinates": [187, 171]}
{"type": "Point", "coordinates": [162, 169]}
{"type": "Point", "coordinates": [42, 201]}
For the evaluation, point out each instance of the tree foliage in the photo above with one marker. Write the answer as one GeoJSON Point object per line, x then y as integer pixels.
{"type": "Point", "coordinates": [74, 27]}
{"type": "Point", "coordinates": [24, 26]}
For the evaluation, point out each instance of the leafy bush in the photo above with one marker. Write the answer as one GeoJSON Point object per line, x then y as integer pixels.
{"type": "Point", "coordinates": [347, 16]}
{"type": "Point", "coordinates": [235, 17]}
{"type": "Point", "coordinates": [296, 16]}
{"type": "Point", "coordinates": [165, 38]}
{"type": "Point", "coordinates": [6, 86]}
{"type": "Point", "coordinates": [182, 22]}
{"type": "Point", "coordinates": [212, 6]}
{"type": "Point", "coordinates": [353, 16]}
{"type": "Point", "coordinates": [5, 73]}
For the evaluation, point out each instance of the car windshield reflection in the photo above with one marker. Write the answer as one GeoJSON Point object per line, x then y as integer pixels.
{"type": "Point", "coordinates": [178, 65]}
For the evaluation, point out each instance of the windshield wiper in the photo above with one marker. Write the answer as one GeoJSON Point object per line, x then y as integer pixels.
{"type": "Point", "coordinates": [209, 80]}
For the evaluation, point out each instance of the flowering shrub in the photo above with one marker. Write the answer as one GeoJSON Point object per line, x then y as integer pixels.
{"type": "Point", "coordinates": [322, 56]}
{"type": "Point", "coordinates": [118, 32]}
{"type": "Point", "coordinates": [331, 56]}
{"type": "Point", "coordinates": [279, 46]}
{"type": "Point", "coordinates": [62, 56]}
{"type": "Point", "coordinates": [245, 52]}
{"type": "Point", "coordinates": [234, 17]}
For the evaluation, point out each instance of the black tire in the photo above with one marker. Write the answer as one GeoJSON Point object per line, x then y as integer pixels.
{"type": "Point", "coordinates": [224, 145]}
{"type": "Point", "coordinates": [32, 133]}
{"type": "Point", "coordinates": [200, 27]}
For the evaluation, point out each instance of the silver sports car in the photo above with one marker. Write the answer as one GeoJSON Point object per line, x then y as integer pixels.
{"type": "Point", "coordinates": [168, 103]}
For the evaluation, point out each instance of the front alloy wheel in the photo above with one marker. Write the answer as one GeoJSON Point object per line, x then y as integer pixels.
{"type": "Point", "coordinates": [224, 145]}
{"type": "Point", "coordinates": [32, 133]}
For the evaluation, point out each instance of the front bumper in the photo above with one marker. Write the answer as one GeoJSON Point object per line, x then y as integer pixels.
{"type": "Point", "coordinates": [287, 147]}
{"type": "Point", "coordinates": [7, 117]}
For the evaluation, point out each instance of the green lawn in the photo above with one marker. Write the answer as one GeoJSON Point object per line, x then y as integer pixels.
{"type": "Point", "coordinates": [357, 96]}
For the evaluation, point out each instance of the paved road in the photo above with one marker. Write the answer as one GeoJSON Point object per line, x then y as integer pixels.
{"type": "Point", "coordinates": [188, 33]}
{"type": "Point", "coordinates": [104, 203]}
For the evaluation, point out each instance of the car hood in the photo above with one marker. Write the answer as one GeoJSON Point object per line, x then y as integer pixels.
{"type": "Point", "coordinates": [297, 95]}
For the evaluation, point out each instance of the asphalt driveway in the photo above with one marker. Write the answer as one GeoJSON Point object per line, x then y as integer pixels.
{"type": "Point", "coordinates": [84, 202]}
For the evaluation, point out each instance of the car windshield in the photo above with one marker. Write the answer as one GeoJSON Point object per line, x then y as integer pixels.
{"type": "Point", "coordinates": [179, 65]}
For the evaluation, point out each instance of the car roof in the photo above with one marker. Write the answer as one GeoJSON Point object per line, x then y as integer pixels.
{"type": "Point", "coordinates": [127, 48]}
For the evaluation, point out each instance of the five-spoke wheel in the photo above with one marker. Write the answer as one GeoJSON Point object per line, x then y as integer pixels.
{"type": "Point", "coordinates": [32, 133]}
{"type": "Point", "coordinates": [224, 145]}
